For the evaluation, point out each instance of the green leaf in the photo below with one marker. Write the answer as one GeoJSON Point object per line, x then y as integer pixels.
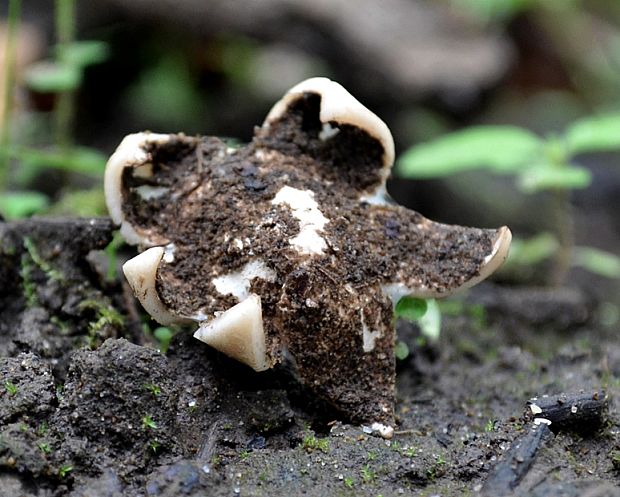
{"type": "Point", "coordinates": [164, 336]}
{"type": "Point", "coordinates": [83, 53]}
{"type": "Point", "coordinates": [410, 308]}
{"type": "Point", "coordinates": [401, 351]}
{"type": "Point", "coordinates": [77, 159]}
{"type": "Point", "coordinates": [597, 261]}
{"type": "Point", "coordinates": [546, 177]}
{"type": "Point", "coordinates": [502, 149]}
{"type": "Point", "coordinates": [430, 322]}
{"type": "Point", "coordinates": [53, 77]}
{"type": "Point", "coordinates": [16, 205]}
{"type": "Point", "coordinates": [594, 134]}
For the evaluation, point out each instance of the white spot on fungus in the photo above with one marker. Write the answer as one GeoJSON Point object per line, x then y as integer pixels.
{"type": "Point", "coordinates": [238, 283]}
{"type": "Point", "coordinates": [328, 132]}
{"type": "Point", "coordinates": [169, 253]}
{"type": "Point", "coordinates": [311, 219]}
{"type": "Point", "coordinates": [368, 336]}
{"type": "Point", "coordinates": [148, 192]}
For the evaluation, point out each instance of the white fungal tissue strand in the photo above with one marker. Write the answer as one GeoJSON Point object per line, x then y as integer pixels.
{"type": "Point", "coordinates": [238, 283]}
{"type": "Point", "coordinates": [311, 219]}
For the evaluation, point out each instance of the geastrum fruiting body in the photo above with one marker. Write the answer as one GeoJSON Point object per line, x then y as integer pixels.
{"type": "Point", "coordinates": [285, 249]}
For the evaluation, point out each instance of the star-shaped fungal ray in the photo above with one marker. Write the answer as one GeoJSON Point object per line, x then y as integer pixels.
{"type": "Point", "coordinates": [285, 250]}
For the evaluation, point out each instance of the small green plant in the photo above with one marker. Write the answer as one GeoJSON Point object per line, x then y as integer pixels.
{"type": "Point", "coordinates": [368, 475]}
{"type": "Point", "coordinates": [42, 429]}
{"type": "Point", "coordinates": [163, 335]}
{"type": "Point", "coordinates": [311, 443]}
{"type": "Point", "coordinates": [148, 423]}
{"type": "Point", "coordinates": [490, 426]}
{"type": "Point", "coordinates": [44, 447]}
{"type": "Point", "coordinates": [244, 454]}
{"type": "Point", "coordinates": [538, 164]}
{"type": "Point", "coordinates": [348, 482]}
{"type": "Point", "coordinates": [64, 470]}
{"type": "Point", "coordinates": [154, 389]}
{"type": "Point", "coordinates": [62, 75]}
{"type": "Point", "coordinates": [615, 459]}
{"type": "Point", "coordinates": [42, 264]}
{"type": "Point", "coordinates": [424, 312]}
{"type": "Point", "coordinates": [409, 452]}
{"type": "Point", "coordinates": [11, 388]}
{"type": "Point", "coordinates": [106, 317]}
{"type": "Point", "coordinates": [154, 446]}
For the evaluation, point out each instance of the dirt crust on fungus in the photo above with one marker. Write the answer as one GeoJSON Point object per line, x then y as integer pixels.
{"type": "Point", "coordinates": [215, 204]}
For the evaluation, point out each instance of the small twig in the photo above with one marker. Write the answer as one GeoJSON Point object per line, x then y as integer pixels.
{"type": "Point", "coordinates": [581, 412]}
{"type": "Point", "coordinates": [507, 474]}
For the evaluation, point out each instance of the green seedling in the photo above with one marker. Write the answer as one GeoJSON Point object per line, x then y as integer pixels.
{"type": "Point", "coordinates": [311, 443]}
{"type": "Point", "coordinates": [154, 445]}
{"type": "Point", "coordinates": [64, 470]}
{"type": "Point", "coordinates": [368, 475]}
{"type": "Point", "coordinates": [41, 263]}
{"type": "Point", "coordinates": [44, 447]}
{"type": "Point", "coordinates": [537, 164]}
{"type": "Point", "coordinates": [164, 336]}
{"type": "Point", "coordinates": [424, 312]}
{"type": "Point", "coordinates": [148, 423]}
{"type": "Point", "coordinates": [349, 482]}
{"type": "Point", "coordinates": [154, 389]}
{"type": "Point", "coordinates": [10, 387]}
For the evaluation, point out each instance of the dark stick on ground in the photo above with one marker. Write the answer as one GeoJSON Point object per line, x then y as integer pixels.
{"type": "Point", "coordinates": [582, 412]}
{"type": "Point", "coordinates": [507, 474]}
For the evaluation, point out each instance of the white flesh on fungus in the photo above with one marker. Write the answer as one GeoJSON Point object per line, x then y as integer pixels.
{"type": "Point", "coordinates": [340, 107]}
{"type": "Point", "coordinates": [141, 273]}
{"type": "Point", "coordinates": [239, 334]}
{"type": "Point", "coordinates": [238, 283]}
{"type": "Point", "coordinates": [131, 153]}
{"type": "Point", "coordinates": [311, 219]}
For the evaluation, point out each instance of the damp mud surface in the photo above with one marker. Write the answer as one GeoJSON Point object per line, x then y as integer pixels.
{"type": "Point", "coordinates": [90, 407]}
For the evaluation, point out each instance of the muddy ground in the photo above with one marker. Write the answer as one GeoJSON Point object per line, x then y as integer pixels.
{"type": "Point", "coordinates": [90, 407]}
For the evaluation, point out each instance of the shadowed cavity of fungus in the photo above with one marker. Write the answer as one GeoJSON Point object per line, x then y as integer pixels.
{"type": "Point", "coordinates": [285, 249]}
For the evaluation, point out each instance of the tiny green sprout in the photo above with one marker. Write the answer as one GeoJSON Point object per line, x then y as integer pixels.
{"type": "Point", "coordinates": [401, 350]}
{"type": "Point", "coordinates": [262, 477]}
{"type": "Point", "coordinates": [371, 456]}
{"type": "Point", "coordinates": [64, 470]}
{"type": "Point", "coordinates": [348, 481]}
{"type": "Point", "coordinates": [44, 447]}
{"type": "Point", "coordinates": [490, 426]}
{"type": "Point", "coordinates": [244, 455]}
{"type": "Point", "coordinates": [216, 460]}
{"type": "Point", "coordinates": [154, 445]}
{"type": "Point", "coordinates": [615, 459]}
{"type": "Point", "coordinates": [42, 429]}
{"type": "Point", "coordinates": [10, 388]}
{"type": "Point", "coordinates": [311, 443]}
{"type": "Point", "coordinates": [368, 475]}
{"type": "Point", "coordinates": [164, 336]}
{"type": "Point", "coordinates": [409, 452]}
{"type": "Point", "coordinates": [148, 423]}
{"type": "Point", "coordinates": [410, 308]}
{"type": "Point", "coordinates": [23, 427]}
{"type": "Point", "coordinates": [440, 460]}
{"type": "Point", "coordinates": [154, 389]}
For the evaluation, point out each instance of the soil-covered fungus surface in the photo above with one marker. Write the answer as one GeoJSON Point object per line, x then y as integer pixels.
{"type": "Point", "coordinates": [90, 407]}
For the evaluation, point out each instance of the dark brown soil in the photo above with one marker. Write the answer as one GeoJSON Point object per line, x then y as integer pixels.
{"type": "Point", "coordinates": [79, 417]}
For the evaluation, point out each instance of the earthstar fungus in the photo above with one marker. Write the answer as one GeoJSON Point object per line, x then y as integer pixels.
{"type": "Point", "coordinates": [285, 249]}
